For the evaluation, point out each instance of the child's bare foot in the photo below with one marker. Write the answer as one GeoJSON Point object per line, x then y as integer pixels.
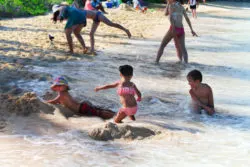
{"type": "Point", "coordinates": [93, 53]}
{"type": "Point", "coordinates": [132, 117]}
{"type": "Point", "coordinates": [118, 122]}
{"type": "Point", "coordinates": [85, 50]}
{"type": "Point", "coordinates": [119, 117]}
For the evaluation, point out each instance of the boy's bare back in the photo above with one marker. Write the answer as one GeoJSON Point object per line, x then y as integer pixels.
{"type": "Point", "coordinates": [204, 93]}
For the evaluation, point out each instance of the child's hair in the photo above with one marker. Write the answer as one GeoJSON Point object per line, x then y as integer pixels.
{"type": "Point", "coordinates": [126, 70]}
{"type": "Point", "coordinates": [195, 75]}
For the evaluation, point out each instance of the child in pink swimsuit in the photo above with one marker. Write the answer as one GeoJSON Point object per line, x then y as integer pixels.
{"type": "Point", "coordinates": [127, 91]}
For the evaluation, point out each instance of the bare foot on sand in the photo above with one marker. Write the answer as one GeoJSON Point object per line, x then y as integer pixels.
{"type": "Point", "coordinates": [93, 53]}
{"type": "Point", "coordinates": [132, 117]}
{"type": "Point", "coordinates": [85, 50]}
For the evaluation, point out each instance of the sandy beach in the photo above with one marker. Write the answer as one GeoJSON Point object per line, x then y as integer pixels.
{"type": "Point", "coordinates": [35, 133]}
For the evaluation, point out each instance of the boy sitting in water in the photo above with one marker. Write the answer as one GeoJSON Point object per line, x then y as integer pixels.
{"type": "Point", "coordinates": [60, 85]}
{"type": "Point", "coordinates": [201, 94]}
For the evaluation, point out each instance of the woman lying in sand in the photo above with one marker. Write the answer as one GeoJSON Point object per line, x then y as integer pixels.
{"type": "Point", "coordinates": [76, 20]}
{"type": "Point", "coordinates": [175, 11]}
{"type": "Point", "coordinates": [61, 86]}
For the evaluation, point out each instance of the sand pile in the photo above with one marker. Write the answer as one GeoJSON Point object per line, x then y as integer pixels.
{"type": "Point", "coordinates": [23, 105]}
{"type": "Point", "coordinates": [112, 131]}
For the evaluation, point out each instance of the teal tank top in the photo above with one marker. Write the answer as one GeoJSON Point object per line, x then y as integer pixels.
{"type": "Point", "coordinates": [75, 16]}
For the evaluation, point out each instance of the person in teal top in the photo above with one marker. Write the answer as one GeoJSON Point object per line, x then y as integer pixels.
{"type": "Point", "coordinates": [74, 16]}
{"type": "Point", "coordinates": [76, 20]}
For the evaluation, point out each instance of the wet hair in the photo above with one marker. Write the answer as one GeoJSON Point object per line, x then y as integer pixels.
{"type": "Point", "coordinates": [126, 70]}
{"type": "Point", "coordinates": [195, 75]}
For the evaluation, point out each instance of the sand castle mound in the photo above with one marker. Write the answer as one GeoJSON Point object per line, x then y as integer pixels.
{"type": "Point", "coordinates": [23, 105]}
{"type": "Point", "coordinates": [112, 131]}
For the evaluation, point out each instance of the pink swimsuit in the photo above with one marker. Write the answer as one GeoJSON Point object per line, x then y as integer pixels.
{"type": "Point", "coordinates": [127, 91]}
{"type": "Point", "coordinates": [179, 31]}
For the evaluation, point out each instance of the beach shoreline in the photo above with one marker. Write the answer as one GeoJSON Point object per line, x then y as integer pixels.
{"type": "Point", "coordinates": [24, 42]}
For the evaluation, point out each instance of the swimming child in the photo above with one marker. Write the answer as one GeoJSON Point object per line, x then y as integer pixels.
{"type": "Point", "coordinates": [61, 86]}
{"type": "Point", "coordinates": [76, 20]}
{"type": "Point", "coordinates": [126, 90]}
{"type": "Point", "coordinates": [201, 93]}
{"type": "Point", "coordinates": [176, 12]}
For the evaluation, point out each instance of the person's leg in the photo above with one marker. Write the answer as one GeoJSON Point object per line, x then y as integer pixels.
{"type": "Point", "coordinates": [178, 48]}
{"type": "Point", "coordinates": [105, 20]}
{"type": "Point", "coordinates": [192, 12]}
{"type": "Point", "coordinates": [106, 114]}
{"type": "Point", "coordinates": [100, 7]}
{"type": "Point", "coordinates": [167, 38]}
{"type": "Point", "coordinates": [91, 110]}
{"type": "Point", "coordinates": [119, 117]}
{"type": "Point", "coordinates": [77, 31]}
{"type": "Point", "coordinates": [92, 33]}
{"type": "Point", "coordinates": [68, 33]}
{"type": "Point", "coordinates": [195, 16]}
{"type": "Point", "coordinates": [132, 117]}
{"type": "Point", "coordinates": [183, 48]}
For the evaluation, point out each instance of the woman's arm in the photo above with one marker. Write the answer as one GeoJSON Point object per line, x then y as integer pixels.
{"type": "Point", "coordinates": [108, 86]}
{"type": "Point", "coordinates": [189, 23]}
{"type": "Point", "coordinates": [64, 13]}
{"type": "Point", "coordinates": [167, 10]}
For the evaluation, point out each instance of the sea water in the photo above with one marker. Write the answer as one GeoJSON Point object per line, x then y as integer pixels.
{"type": "Point", "coordinates": [221, 53]}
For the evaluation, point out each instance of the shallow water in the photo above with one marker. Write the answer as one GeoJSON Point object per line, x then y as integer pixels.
{"type": "Point", "coordinates": [221, 53]}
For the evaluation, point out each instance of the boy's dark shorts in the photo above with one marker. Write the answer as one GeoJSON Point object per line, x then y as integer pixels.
{"type": "Point", "coordinates": [192, 6]}
{"type": "Point", "coordinates": [88, 110]}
